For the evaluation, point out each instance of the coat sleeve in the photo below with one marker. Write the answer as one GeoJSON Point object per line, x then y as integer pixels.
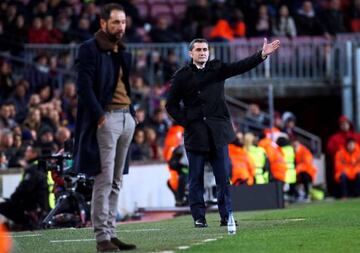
{"type": "Point", "coordinates": [173, 102]}
{"type": "Point", "coordinates": [86, 67]}
{"type": "Point", "coordinates": [236, 68]}
{"type": "Point", "coordinates": [28, 184]}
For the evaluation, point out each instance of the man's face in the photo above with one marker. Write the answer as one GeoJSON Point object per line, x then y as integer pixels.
{"type": "Point", "coordinates": [307, 6]}
{"type": "Point", "coordinates": [115, 25]}
{"type": "Point", "coordinates": [29, 153]}
{"type": "Point", "coordinates": [350, 146]}
{"type": "Point", "coordinates": [5, 111]}
{"type": "Point", "coordinates": [200, 53]}
{"type": "Point", "coordinates": [344, 126]}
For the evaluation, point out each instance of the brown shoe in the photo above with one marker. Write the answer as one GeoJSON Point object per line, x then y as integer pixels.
{"type": "Point", "coordinates": [106, 246]}
{"type": "Point", "coordinates": [121, 245]}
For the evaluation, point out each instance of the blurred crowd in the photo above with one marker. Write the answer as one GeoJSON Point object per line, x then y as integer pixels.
{"type": "Point", "coordinates": [73, 21]}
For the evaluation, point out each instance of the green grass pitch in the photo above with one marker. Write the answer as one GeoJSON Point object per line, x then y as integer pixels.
{"type": "Point", "coordinates": [318, 227]}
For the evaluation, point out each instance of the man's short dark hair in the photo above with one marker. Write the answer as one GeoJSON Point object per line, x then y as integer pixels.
{"type": "Point", "coordinates": [108, 8]}
{"type": "Point", "coordinates": [198, 40]}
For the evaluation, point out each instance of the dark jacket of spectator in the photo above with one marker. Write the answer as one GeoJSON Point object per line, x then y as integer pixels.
{"type": "Point", "coordinates": [7, 83]}
{"type": "Point", "coordinates": [333, 21]}
{"type": "Point", "coordinates": [307, 21]}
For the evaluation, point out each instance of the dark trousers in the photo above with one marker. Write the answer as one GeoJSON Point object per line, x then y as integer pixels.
{"type": "Point", "coordinates": [219, 161]}
{"type": "Point", "coordinates": [16, 213]}
{"type": "Point", "coordinates": [348, 187]}
{"type": "Point", "coordinates": [304, 179]}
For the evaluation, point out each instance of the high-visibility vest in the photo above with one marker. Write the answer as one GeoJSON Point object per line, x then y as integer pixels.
{"type": "Point", "coordinates": [289, 156]}
{"type": "Point", "coordinates": [258, 156]}
{"type": "Point", "coordinates": [243, 168]}
{"type": "Point", "coordinates": [304, 162]}
{"type": "Point", "coordinates": [278, 166]}
{"type": "Point", "coordinates": [51, 186]}
{"type": "Point", "coordinates": [347, 163]}
{"type": "Point", "coordinates": [50, 183]}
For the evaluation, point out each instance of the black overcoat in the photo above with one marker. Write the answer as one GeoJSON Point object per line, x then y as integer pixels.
{"type": "Point", "coordinates": [98, 72]}
{"type": "Point", "coordinates": [196, 101]}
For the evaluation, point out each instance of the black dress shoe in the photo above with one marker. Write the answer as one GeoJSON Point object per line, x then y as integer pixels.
{"type": "Point", "coordinates": [224, 223]}
{"type": "Point", "coordinates": [200, 223]}
{"type": "Point", "coordinates": [106, 246]}
{"type": "Point", "coordinates": [121, 245]}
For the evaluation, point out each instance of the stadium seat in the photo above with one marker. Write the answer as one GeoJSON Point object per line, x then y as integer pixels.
{"type": "Point", "coordinates": [158, 9]}
{"type": "Point", "coordinates": [179, 10]}
{"type": "Point", "coordinates": [143, 10]}
{"type": "Point", "coordinates": [153, 2]}
{"type": "Point", "coordinates": [184, 2]}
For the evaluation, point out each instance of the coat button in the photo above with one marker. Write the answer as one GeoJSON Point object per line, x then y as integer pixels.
{"type": "Point", "coordinates": [109, 53]}
{"type": "Point", "coordinates": [204, 118]}
{"type": "Point", "coordinates": [199, 92]}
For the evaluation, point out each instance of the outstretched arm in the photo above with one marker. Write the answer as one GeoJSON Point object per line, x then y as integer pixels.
{"type": "Point", "coordinates": [244, 65]}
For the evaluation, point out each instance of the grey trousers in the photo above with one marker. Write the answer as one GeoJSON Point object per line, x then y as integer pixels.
{"type": "Point", "coordinates": [114, 138]}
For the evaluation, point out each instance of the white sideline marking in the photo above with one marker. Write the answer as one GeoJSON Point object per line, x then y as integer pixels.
{"type": "Point", "coordinates": [210, 240]}
{"type": "Point", "coordinates": [166, 251]}
{"type": "Point", "coordinates": [118, 230]}
{"type": "Point", "coordinates": [290, 219]}
{"type": "Point", "coordinates": [74, 240]}
{"type": "Point", "coordinates": [20, 236]}
{"type": "Point", "coordinates": [183, 247]}
{"type": "Point", "coordinates": [295, 219]}
{"type": "Point", "coordinates": [139, 230]}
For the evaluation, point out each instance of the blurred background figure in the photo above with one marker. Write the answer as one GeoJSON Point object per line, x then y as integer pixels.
{"type": "Point", "coordinates": [289, 123]}
{"type": "Point", "coordinates": [284, 24]}
{"type": "Point", "coordinates": [30, 202]}
{"type": "Point", "coordinates": [335, 142]}
{"type": "Point", "coordinates": [242, 166]}
{"type": "Point", "coordinates": [259, 158]}
{"type": "Point", "coordinates": [305, 170]}
{"type": "Point", "coordinates": [347, 169]}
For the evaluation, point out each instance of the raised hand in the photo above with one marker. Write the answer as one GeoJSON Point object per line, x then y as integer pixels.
{"type": "Point", "coordinates": [270, 48]}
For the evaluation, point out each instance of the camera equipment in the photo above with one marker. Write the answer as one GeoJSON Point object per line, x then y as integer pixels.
{"type": "Point", "coordinates": [72, 207]}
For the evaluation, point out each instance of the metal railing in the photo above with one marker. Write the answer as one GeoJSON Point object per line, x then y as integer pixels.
{"type": "Point", "coordinates": [238, 111]}
{"type": "Point", "coordinates": [301, 58]}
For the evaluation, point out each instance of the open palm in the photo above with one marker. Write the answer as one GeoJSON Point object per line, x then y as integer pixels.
{"type": "Point", "coordinates": [270, 48]}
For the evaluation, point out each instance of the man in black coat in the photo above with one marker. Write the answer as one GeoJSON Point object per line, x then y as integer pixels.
{"type": "Point", "coordinates": [105, 121]}
{"type": "Point", "coordinates": [196, 101]}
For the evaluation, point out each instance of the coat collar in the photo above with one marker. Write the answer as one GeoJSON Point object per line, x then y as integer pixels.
{"type": "Point", "coordinates": [104, 42]}
{"type": "Point", "coordinates": [209, 66]}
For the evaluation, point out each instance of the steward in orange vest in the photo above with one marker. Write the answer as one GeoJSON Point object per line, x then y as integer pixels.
{"type": "Point", "coordinates": [242, 167]}
{"type": "Point", "coordinates": [347, 168]}
{"type": "Point", "coordinates": [278, 165]}
{"type": "Point", "coordinates": [173, 139]}
{"type": "Point", "coordinates": [305, 169]}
